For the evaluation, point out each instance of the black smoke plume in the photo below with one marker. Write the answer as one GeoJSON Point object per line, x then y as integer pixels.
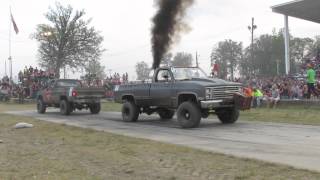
{"type": "Point", "coordinates": [167, 25]}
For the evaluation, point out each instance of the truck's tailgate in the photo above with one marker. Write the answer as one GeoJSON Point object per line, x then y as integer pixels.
{"type": "Point", "coordinates": [90, 92]}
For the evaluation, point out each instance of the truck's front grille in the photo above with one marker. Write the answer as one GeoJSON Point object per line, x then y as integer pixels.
{"type": "Point", "coordinates": [222, 92]}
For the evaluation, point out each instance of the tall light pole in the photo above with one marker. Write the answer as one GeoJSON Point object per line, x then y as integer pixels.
{"type": "Point", "coordinates": [5, 67]}
{"type": "Point", "coordinates": [251, 28]}
{"type": "Point", "coordinates": [197, 62]}
{"type": "Point", "coordinates": [110, 70]}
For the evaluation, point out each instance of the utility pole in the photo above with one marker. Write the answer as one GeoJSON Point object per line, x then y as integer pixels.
{"type": "Point", "coordinates": [197, 63]}
{"type": "Point", "coordinates": [10, 57]}
{"type": "Point", "coordinates": [5, 67]}
{"type": "Point", "coordinates": [64, 72]}
{"type": "Point", "coordinates": [251, 28]}
{"type": "Point", "coordinates": [110, 70]}
{"type": "Point", "coordinates": [278, 61]}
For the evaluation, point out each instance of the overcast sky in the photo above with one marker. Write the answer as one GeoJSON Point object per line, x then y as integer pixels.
{"type": "Point", "coordinates": [125, 25]}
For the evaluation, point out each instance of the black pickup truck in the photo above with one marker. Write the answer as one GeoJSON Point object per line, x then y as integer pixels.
{"type": "Point", "coordinates": [69, 95]}
{"type": "Point", "coordinates": [188, 91]}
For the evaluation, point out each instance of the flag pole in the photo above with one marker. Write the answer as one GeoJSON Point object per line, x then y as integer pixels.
{"type": "Point", "coordinates": [10, 58]}
{"type": "Point", "coordinates": [5, 67]}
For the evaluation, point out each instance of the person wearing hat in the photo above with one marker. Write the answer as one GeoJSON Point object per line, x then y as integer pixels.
{"type": "Point", "coordinates": [311, 79]}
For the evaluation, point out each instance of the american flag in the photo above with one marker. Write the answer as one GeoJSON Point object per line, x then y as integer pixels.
{"type": "Point", "coordinates": [14, 24]}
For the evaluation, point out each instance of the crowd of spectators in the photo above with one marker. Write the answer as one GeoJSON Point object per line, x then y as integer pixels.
{"type": "Point", "coordinates": [91, 80]}
{"type": "Point", "coordinates": [273, 89]}
{"type": "Point", "coordinates": [117, 79]}
{"type": "Point", "coordinates": [292, 87]}
{"type": "Point", "coordinates": [114, 80]}
{"type": "Point", "coordinates": [31, 80]}
{"type": "Point", "coordinates": [4, 88]}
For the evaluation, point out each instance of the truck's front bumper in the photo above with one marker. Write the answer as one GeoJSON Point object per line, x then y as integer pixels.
{"type": "Point", "coordinates": [212, 104]}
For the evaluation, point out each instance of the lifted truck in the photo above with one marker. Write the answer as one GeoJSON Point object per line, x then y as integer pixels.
{"type": "Point", "coordinates": [188, 91]}
{"type": "Point", "coordinates": [69, 95]}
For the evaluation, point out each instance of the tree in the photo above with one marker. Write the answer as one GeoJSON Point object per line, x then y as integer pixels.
{"type": "Point", "coordinates": [182, 59]}
{"type": "Point", "coordinates": [278, 54]}
{"type": "Point", "coordinates": [299, 49]}
{"type": "Point", "coordinates": [246, 66]}
{"type": "Point", "coordinates": [142, 70]}
{"type": "Point", "coordinates": [265, 55]}
{"type": "Point", "coordinates": [96, 69]}
{"type": "Point", "coordinates": [67, 40]}
{"type": "Point", "coordinates": [268, 56]}
{"type": "Point", "coordinates": [166, 60]}
{"type": "Point", "coordinates": [227, 55]}
{"type": "Point", "coordinates": [314, 50]}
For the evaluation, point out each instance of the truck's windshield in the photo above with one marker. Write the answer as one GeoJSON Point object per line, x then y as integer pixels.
{"type": "Point", "coordinates": [188, 73]}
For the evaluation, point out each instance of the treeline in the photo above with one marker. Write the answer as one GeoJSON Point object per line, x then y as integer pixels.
{"type": "Point", "coordinates": [265, 58]}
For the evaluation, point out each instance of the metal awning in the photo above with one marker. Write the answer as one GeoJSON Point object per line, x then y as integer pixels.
{"type": "Point", "coordinates": [303, 9]}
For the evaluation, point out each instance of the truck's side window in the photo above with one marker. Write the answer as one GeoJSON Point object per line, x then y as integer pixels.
{"type": "Point", "coordinates": [164, 76]}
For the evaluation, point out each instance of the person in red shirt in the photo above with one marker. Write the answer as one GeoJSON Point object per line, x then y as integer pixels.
{"type": "Point", "coordinates": [248, 91]}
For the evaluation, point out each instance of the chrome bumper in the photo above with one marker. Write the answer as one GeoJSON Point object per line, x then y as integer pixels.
{"type": "Point", "coordinates": [210, 104]}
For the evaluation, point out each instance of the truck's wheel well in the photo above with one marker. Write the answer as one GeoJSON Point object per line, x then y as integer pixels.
{"type": "Point", "coordinates": [186, 97]}
{"type": "Point", "coordinates": [128, 98]}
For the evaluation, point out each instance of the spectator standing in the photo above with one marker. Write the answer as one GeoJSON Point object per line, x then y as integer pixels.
{"type": "Point", "coordinates": [257, 97]}
{"type": "Point", "coordinates": [311, 79]}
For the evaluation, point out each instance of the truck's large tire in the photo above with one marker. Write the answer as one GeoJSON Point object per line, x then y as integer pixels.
{"type": "Point", "coordinates": [65, 107]}
{"type": "Point", "coordinates": [166, 114]}
{"type": "Point", "coordinates": [189, 115]}
{"type": "Point", "coordinates": [41, 107]}
{"type": "Point", "coordinates": [130, 112]}
{"type": "Point", "coordinates": [95, 108]}
{"type": "Point", "coordinates": [228, 116]}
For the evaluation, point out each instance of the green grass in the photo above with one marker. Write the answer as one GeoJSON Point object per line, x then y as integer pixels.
{"type": "Point", "coordinates": [53, 151]}
{"type": "Point", "coordinates": [111, 107]}
{"type": "Point", "coordinates": [16, 107]}
{"type": "Point", "coordinates": [291, 114]}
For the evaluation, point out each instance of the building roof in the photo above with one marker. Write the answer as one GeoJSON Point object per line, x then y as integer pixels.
{"type": "Point", "coordinates": [303, 9]}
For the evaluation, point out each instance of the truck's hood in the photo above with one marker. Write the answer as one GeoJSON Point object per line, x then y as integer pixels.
{"type": "Point", "coordinates": [211, 82]}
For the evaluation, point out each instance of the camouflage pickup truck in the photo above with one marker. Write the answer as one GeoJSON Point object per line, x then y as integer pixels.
{"type": "Point", "coordinates": [69, 95]}
{"type": "Point", "coordinates": [188, 91]}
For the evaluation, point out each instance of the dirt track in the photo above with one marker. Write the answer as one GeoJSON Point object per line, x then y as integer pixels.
{"type": "Point", "coordinates": [294, 145]}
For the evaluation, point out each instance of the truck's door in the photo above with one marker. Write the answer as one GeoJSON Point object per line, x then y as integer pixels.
{"type": "Point", "coordinates": [58, 91]}
{"type": "Point", "coordinates": [47, 97]}
{"type": "Point", "coordinates": [162, 88]}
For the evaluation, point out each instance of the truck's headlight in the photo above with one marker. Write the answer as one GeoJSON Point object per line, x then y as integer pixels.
{"type": "Point", "coordinates": [208, 93]}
